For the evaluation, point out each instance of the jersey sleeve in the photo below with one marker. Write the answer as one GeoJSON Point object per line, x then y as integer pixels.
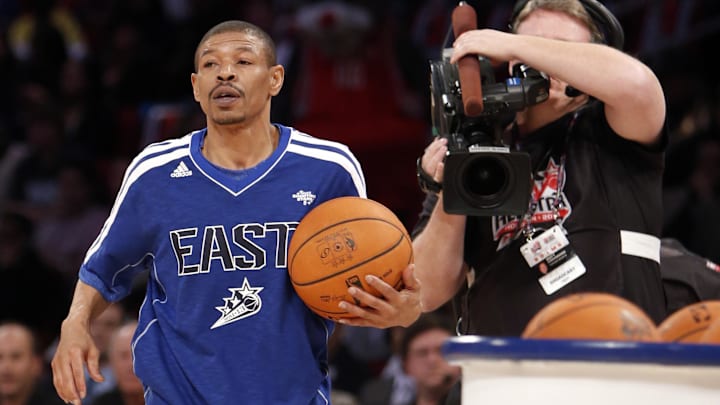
{"type": "Point", "coordinates": [350, 179]}
{"type": "Point", "coordinates": [121, 250]}
{"type": "Point", "coordinates": [346, 177]}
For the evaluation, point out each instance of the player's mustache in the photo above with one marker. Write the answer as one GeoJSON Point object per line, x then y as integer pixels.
{"type": "Point", "coordinates": [225, 87]}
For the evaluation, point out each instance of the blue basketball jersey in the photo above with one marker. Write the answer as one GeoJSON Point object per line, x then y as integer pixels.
{"type": "Point", "coordinates": [221, 322]}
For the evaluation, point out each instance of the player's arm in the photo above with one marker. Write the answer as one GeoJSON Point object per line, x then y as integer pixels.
{"type": "Point", "coordinates": [632, 94]}
{"type": "Point", "coordinates": [76, 349]}
{"type": "Point", "coordinates": [121, 245]}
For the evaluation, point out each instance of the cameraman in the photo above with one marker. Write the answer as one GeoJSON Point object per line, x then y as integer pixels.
{"type": "Point", "coordinates": [597, 158]}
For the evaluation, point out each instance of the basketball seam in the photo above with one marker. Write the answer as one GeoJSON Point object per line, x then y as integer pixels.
{"type": "Point", "coordinates": [688, 333]}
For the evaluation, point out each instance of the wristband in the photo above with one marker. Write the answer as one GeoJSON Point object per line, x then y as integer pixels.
{"type": "Point", "coordinates": [426, 182]}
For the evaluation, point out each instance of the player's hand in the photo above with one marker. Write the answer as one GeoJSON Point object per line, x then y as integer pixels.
{"type": "Point", "coordinates": [394, 308]}
{"type": "Point", "coordinates": [75, 351]}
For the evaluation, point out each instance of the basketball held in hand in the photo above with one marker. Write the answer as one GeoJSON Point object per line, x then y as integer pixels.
{"type": "Point", "coordinates": [592, 316]}
{"type": "Point", "coordinates": [711, 334]}
{"type": "Point", "coordinates": [689, 323]}
{"type": "Point", "coordinates": [337, 244]}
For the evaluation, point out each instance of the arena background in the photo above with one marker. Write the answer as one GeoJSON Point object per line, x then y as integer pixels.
{"type": "Point", "coordinates": [88, 83]}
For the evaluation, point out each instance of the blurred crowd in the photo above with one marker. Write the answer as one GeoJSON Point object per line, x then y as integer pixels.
{"type": "Point", "coordinates": [88, 83]}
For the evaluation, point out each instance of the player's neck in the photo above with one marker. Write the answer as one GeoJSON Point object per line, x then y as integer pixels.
{"type": "Point", "coordinates": [237, 147]}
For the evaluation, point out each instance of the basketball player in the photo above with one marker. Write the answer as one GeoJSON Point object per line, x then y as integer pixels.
{"type": "Point", "coordinates": [597, 158]}
{"type": "Point", "coordinates": [210, 216]}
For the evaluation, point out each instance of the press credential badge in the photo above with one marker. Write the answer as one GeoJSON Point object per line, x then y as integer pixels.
{"type": "Point", "coordinates": [552, 256]}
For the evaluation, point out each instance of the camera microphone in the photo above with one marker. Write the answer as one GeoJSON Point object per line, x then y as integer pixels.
{"type": "Point", "coordinates": [465, 19]}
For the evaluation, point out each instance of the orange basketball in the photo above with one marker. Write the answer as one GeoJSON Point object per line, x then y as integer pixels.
{"type": "Point", "coordinates": [337, 244]}
{"type": "Point", "coordinates": [712, 333]}
{"type": "Point", "coordinates": [688, 323]}
{"type": "Point", "coordinates": [593, 315]}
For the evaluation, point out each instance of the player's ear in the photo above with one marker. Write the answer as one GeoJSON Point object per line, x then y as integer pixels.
{"type": "Point", "coordinates": [277, 77]}
{"type": "Point", "coordinates": [193, 81]}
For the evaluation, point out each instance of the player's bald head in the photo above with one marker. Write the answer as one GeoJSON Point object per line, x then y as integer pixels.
{"type": "Point", "coordinates": [242, 27]}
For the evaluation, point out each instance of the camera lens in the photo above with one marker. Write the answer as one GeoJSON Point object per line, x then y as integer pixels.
{"type": "Point", "coordinates": [487, 182]}
{"type": "Point", "coordinates": [485, 177]}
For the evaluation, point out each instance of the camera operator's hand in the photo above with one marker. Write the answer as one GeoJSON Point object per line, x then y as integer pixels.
{"type": "Point", "coordinates": [627, 87]}
{"type": "Point", "coordinates": [492, 44]}
{"type": "Point", "coordinates": [433, 157]}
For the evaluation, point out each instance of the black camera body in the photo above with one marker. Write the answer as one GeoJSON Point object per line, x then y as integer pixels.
{"type": "Point", "coordinates": [482, 176]}
{"type": "Point", "coordinates": [486, 181]}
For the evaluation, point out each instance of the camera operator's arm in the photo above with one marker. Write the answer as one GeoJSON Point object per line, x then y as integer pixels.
{"type": "Point", "coordinates": [633, 98]}
{"type": "Point", "coordinates": [438, 248]}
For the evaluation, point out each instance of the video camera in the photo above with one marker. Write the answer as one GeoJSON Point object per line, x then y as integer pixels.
{"type": "Point", "coordinates": [482, 176]}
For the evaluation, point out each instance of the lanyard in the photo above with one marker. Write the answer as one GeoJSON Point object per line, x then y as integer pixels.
{"type": "Point", "coordinates": [527, 229]}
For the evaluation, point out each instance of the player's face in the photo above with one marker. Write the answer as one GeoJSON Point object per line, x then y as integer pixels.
{"type": "Point", "coordinates": [234, 81]}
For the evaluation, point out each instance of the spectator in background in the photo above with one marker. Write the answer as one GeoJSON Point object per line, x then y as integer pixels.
{"type": "Point", "coordinates": [692, 200]}
{"type": "Point", "coordinates": [423, 362]}
{"type": "Point", "coordinates": [7, 70]}
{"type": "Point", "coordinates": [22, 370]}
{"type": "Point", "coordinates": [126, 82]}
{"type": "Point", "coordinates": [359, 355]}
{"type": "Point", "coordinates": [33, 184]}
{"type": "Point", "coordinates": [42, 37]}
{"type": "Point", "coordinates": [128, 390]}
{"type": "Point", "coordinates": [26, 283]}
{"type": "Point", "coordinates": [85, 121]}
{"type": "Point", "coordinates": [356, 79]}
{"type": "Point", "coordinates": [77, 210]}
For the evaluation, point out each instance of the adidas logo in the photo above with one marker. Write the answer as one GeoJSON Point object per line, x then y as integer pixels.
{"type": "Point", "coordinates": [181, 171]}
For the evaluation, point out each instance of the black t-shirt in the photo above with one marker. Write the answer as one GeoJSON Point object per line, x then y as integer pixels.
{"type": "Point", "coordinates": [610, 184]}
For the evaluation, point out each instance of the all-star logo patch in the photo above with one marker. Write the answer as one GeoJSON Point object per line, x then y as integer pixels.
{"type": "Point", "coordinates": [242, 303]}
{"type": "Point", "coordinates": [545, 191]}
{"type": "Point", "coordinates": [305, 197]}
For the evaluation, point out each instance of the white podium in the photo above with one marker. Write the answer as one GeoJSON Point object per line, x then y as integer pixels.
{"type": "Point", "coordinates": [514, 371]}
